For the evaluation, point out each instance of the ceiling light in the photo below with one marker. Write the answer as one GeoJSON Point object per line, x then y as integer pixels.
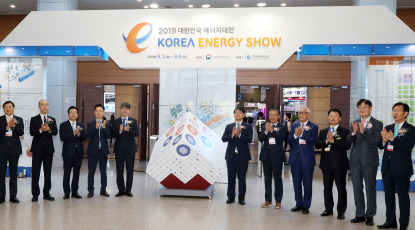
{"type": "Point", "coordinates": [236, 5]}
{"type": "Point", "coordinates": [205, 6]}
{"type": "Point", "coordinates": [190, 6]}
{"type": "Point", "coordinates": [9, 49]}
{"type": "Point", "coordinates": [261, 4]}
{"type": "Point", "coordinates": [12, 6]}
{"type": "Point", "coordinates": [154, 6]}
{"type": "Point", "coordinates": [145, 7]}
{"type": "Point", "coordinates": [283, 4]}
{"type": "Point", "coordinates": [139, 0]}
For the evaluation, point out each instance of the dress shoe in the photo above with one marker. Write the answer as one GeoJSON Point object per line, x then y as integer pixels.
{"type": "Point", "coordinates": [387, 225]}
{"type": "Point", "coordinates": [340, 216]}
{"type": "Point", "coordinates": [34, 199]}
{"type": "Point", "coordinates": [230, 200]}
{"type": "Point", "coordinates": [119, 194]}
{"type": "Point", "coordinates": [129, 194]}
{"type": "Point", "coordinates": [327, 213]}
{"type": "Point", "coordinates": [104, 193]}
{"type": "Point", "coordinates": [403, 227]}
{"type": "Point", "coordinates": [306, 211]}
{"type": "Point", "coordinates": [266, 204]}
{"type": "Point", "coordinates": [66, 196]}
{"type": "Point", "coordinates": [76, 195]}
{"type": "Point", "coordinates": [2, 200]}
{"type": "Point", "coordinates": [241, 202]}
{"type": "Point", "coordinates": [296, 209]}
{"type": "Point", "coordinates": [14, 200]}
{"type": "Point", "coordinates": [90, 194]}
{"type": "Point", "coordinates": [278, 205]}
{"type": "Point", "coordinates": [369, 221]}
{"type": "Point", "coordinates": [48, 197]}
{"type": "Point", "coordinates": [357, 220]}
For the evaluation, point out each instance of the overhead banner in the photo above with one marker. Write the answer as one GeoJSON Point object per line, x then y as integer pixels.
{"type": "Point", "coordinates": [210, 38]}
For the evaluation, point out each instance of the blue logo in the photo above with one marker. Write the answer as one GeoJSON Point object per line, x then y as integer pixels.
{"type": "Point", "coordinates": [167, 141]}
{"type": "Point", "coordinates": [206, 141]}
{"type": "Point", "coordinates": [183, 150]}
{"type": "Point", "coordinates": [177, 139]}
{"type": "Point", "coordinates": [190, 139]}
{"type": "Point", "coordinates": [208, 57]}
{"type": "Point", "coordinates": [248, 56]}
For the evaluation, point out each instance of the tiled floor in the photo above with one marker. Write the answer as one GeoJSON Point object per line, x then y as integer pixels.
{"type": "Point", "coordinates": [147, 210]}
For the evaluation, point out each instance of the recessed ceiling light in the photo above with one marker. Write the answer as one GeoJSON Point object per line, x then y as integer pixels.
{"type": "Point", "coordinates": [139, 0]}
{"type": "Point", "coordinates": [190, 6]}
{"type": "Point", "coordinates": [261, 4]}
{"type": "Point", "coordinates": [145, 7]}
{"type": "Point", "coordinates": [236, 5]}
{"type": "Point", "coordinates": [205, 6]}
{"type": "Point", "coordinates": [154, 6]}
{"type": "Point", "coordinates": [12, 6]}
{"type": "Point", "coordinates": [283, 4]}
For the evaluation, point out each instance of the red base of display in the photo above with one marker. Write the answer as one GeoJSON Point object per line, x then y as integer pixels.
{"type": "Point", "coordinates": [197, 182]}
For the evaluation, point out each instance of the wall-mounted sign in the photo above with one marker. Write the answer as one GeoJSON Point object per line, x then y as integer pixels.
{"type": "Point", "coordinates": [295, 92]}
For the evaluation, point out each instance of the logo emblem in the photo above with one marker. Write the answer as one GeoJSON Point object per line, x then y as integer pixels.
{"type": "Point", "coordinates": [132, 41]}
{"type": "Point", "coordinates": [192, 129]}
{"type": "Point", "coordinates": [190, 139]}
{"type": "Point", "coordinates": [170, 131]}
{"type": "Point", "coordinates": [167, 141]}
{"type": "Point", "coordinates": [183, 150]}
{"type": "Point", "coordinates": [179, 129]}
{"type": "Point", "coordinates": [177, 139]}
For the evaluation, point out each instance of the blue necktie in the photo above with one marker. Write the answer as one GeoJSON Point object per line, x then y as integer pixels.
{"type": "Point", "coordinates": [123, 122]}
{"type": "Point", "coordinates": [332, 130]}
{"type": "Point", "coordinates": [99, 134]}
{"type": "Point", "coordinates": [396, 131]}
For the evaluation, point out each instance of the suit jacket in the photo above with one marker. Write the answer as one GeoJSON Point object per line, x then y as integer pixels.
{"type": "Point", "coordinates": [242, 143]}
{"type": "Point", "coordinates": [274, 153]}
{"type": "Point", "coordinates": [399, 160]}
{"type": "Point", "coordinates": [41, 139]}
{"type": "Point", "coordinates": [336, 158]}
{"type": "Point", "coordinates": [364, 146]}
{"type": "Point", "coordinates": [71, 142]}
{"type": "Point", "coordinates": [308, 157]}
{"type": "Point", "coordinates": [94, 137]}
{"type": "Point", "coordinates": [125, 141]}
{"type": "Point", "coordinates": [14, 140]}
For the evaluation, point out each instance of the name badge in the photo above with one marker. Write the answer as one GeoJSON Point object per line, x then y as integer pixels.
{"type": "Point", "coordinates": [389, 148]}
{"type": "Point", "coordinates": [302, 142]}
{"type": "Point", "coordinates": [271, 141]}
{"type": "Point", "coordinates": [9, 133]}
{"type": "Point", "coordinates": [327, 149]}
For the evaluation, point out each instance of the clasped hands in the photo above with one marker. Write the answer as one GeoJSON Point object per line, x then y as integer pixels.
{"type": "Point", "coordinates": [358, 126]}
{"type": "Point", "coordinates": [387, 136]}
{"type": "Point", "coordinates": [126, 128]}
{"type": "Point", "coordinates": [236, 132]}
{"type": "Point", "coordinates": [11, 124]}
{"type": "Point", "coordinates": [102, 124]}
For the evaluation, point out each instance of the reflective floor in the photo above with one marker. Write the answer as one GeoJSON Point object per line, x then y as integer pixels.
{"type": "Point", "coordinates": [147, 210]}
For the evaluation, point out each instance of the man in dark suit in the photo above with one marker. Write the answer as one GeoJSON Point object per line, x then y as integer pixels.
{"type": "Point", "coordinates": [42, 128]}
{"type": "Point", "coordinates": [302, 138]}
{"type": "Point", "coordinates": [272, 156]}
{"type": "Point", "coordinates": [397, 141]}
{"type": "Point", "coordinates": [238, 135]}
{"type": "Point", "coordinates": [125, 130]}
{"type": "Point", "coordinates": [98, 131]}
{"type": "Point", "coordinates": [364, 161]}
{"type": "Point", "coordinates": [72, 133]}
{"type": "Point", "coordinates": [334, 163]}
{"type": "Point", "coordinates": [11, 128]}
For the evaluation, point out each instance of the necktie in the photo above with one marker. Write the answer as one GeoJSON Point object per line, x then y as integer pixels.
{"type": "Point", "coordinates": [123, 121]}
{"type": "Point", "coordinates": [73, 126]}
{"type": "Point", "coordinates": [44, 120]}
{"type": "Point", "coordinates": [8, 119]}
{"type": "Point", "coordinates": [302, 125]}
{"type": "Point", "coordinates": [332, 130]}
{"type": "Point", "coordinates": [99, 134]}
{"type": "Point", "coordinates": [364, 123]}
{"type": "Point", "coordinates": [396, 131]}
{"type": "Point", "coordinates": [238, 126]}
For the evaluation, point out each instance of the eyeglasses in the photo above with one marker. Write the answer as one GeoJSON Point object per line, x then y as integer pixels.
{"type": "Point", "coordinates": [302, 113]}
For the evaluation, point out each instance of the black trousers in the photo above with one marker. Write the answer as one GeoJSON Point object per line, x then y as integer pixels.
{"type": "Point", "coordinates": [237, 167]}
{"type": "Point", "coordinates": [71, 163]}
{"type": "Point", "coordinates": [273, 169]}
{"type": "Point", "coordinates": [13, 160]}
{"type": "Point", "coordinates": [38, 159]}
{"type": "Point", "coordinates": [398, 184]}
{"type": "Point", "coordinates": [127, 159]}
{"type": "Point", "coordinates": [339, 177]}
{"type": "Point", "coordinates": [92, 166]}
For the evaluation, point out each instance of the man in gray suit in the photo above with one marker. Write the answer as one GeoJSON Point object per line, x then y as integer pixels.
{"type": "Point", "coordinates": [364, 161]}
